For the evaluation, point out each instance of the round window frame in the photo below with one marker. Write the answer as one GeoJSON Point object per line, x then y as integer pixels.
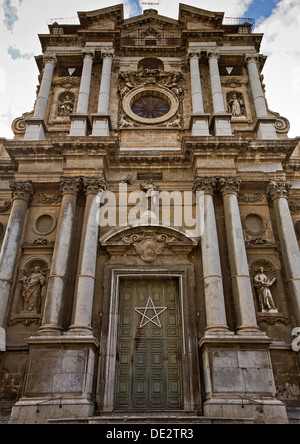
{"type": "Point", "coordinates": [161, 92]}
{"type": "Point", "coordinates": [53, 226]}
{"type": "Point", "coordinates": [252, 232]}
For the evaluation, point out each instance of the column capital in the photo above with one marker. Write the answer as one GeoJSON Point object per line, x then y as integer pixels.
{"type": "Point", "coordinates": [213, 53]}
{"type": "Point", "coordinates": [279, 189]}
{"type": "Point", "coordinates": [206, 184]}
{"type": "Point", "coordinates": [70, 185]}
{"type": "Point", "coordinates": [21, 190]}
{"type": "Point", "coordinates": [88, 52]}
{"type": "Point", "coordinates": [251, 57]}
{"type": "Point", "coordinates": [229, 185]}
{"type": "Point", "coordinates": [50, 58]}
{"type": "Point", "coordinates": [108, 53]}
{"type": "Point", "coordinates": [193, 53]}
{"type": "Point", "coordinates": [93, 185]}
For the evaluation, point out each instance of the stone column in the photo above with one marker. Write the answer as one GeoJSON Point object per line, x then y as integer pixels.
{"type": "Point", "coordinates": [55, 298]}
{"type": "Point", "coordinates": [279, 192]}
{"type": "Point", "coordinates": [199, 119]}
{"type": "Point", "coordinates": [79, 121]}
{"type": "Point", "coordinates": [265, 125]}
{"type": "Point", "coordinates": [216, 322]}
{"type": "Point", "coordinates": [35, 129]}
{"type": "Point", "coordinates": [85, 285]}
{"type": "Point", "coordinates": [241, 281]}
{"type": "Point", "coordinates": [22, 194]}
{"type": "Point", "coordinates": [221, 119]}
{"type": "Point", "coordinates": [101, 119]}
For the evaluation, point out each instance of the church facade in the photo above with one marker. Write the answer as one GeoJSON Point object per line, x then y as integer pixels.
{"type": "Point", "coordinates": [150, 229]}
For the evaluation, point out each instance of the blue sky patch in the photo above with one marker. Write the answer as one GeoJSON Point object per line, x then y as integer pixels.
{"type": "Point", "coordinates": [10, 14]}
{"type": "Point", "coordinates": [260, 9]}
{"type": "Point", "coordinates": [135, 8]}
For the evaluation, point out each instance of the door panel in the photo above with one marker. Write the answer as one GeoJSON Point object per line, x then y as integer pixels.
{"type": "Point", "coordinates": [149, 373]}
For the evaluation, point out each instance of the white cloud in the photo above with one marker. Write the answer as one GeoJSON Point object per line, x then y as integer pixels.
{"type": "Point", "coordinates": [282, 69]}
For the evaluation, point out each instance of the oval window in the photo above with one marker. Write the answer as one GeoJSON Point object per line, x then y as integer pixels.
{"type": "Point", "coordinates": [150, 107]}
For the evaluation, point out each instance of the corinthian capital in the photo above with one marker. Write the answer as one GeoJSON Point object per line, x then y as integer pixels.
{"type": "Point", "coordinates": [251, 57]}
{"type": "Point", "coordinates": [108, 53]}
{"type": "Point", "coordinates": [21, 190]}
{"type": "Point", "coordinates": [50, 58]}
{"type": "Point", "coordinates": [205, 184]}
{"type": "Point", "coordinates": [213, 54]}
{"type": "Point", "coordinates": [93, 185]}
{"type": "Point", "coordinates": [229, 185]}
{"type": "Point", "coordinates": [279, 189]}
{"type": "Point", "coordinates": [70, 185]}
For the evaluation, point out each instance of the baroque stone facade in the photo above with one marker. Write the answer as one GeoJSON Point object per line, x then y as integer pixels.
{"type": "Point", "coordinates": [150, 229]}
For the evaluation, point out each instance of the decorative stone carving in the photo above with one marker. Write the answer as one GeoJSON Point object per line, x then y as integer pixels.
{"type": "Point", "coordinates": [70, 185]}
{"type": "Point", "coordinates": [168, 85]}
{"type": "Point", "coordinates": [279, 189]}
{"type": "Point", "coordinates": [149, 245]}
{"type": "Point", "coordinates": [263, 287]}
{"type": "Point", "coordinates": [259, 241]}
{"type": "Point", "coordinates": [254, 198]}
{"type": "Point", "coordinates": [92, 185]}
{"type": "Point", "coordinates": [21, 190]}
{"type": "Point", "coordinates": [205, 184]}
{"type": "Point", "coordinates": [5, 207]}
{"type": "Point", "coordinates": [230, 185]}
{"type": "Point", "coordinates": [236, 104]}
{"type": "Point", "coordinates": [65, 104]}
{"type": "Point", "coordinates": [294, 207]}
{"type": "Point", "coordinates": [47, 200]}
{"type": "Point", "coordinates": [32, 285]}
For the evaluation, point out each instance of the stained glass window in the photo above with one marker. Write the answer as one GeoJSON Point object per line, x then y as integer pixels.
{"type": "Point", "coordinates": [150, 107]}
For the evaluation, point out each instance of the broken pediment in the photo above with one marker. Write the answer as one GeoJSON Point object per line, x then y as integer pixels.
{"type": "Point", "coordinates": [102, 19]}
{"type": "Point", "coordinates": [199, 19]}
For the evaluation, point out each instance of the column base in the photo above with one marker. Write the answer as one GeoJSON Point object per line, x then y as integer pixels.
{"type": "Point", "coordinates": [221, 124]}
{"type": "Point", "coordinates": [101, 125]}
{"type": "Point", "coordinates": [80, 125]}
{"type": "Point", "coordinates": [200, 124]}
{"type": "Point", "coordinates": [48, 409]}
{"type": "Point", "coordinates": [35, 129]}
{"type": "Point", "coordinates": [265, 128]}
{"type": "Point", "coordinates": [59, 379]}
{"type": "Point", "coordinates": [239, 380]}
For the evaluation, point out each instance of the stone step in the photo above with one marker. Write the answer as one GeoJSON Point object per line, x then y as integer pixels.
{"type": "Point", "coordinates": [152, 419]}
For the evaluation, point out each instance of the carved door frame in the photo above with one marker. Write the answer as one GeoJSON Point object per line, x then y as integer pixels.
{"type": "Point", "coordinates": [190, 361]}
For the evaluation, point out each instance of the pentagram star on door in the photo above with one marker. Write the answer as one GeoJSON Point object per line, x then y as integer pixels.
{"type": "Point", "coordinates": [150, 307]}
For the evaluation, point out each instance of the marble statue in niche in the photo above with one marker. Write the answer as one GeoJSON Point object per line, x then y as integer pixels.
{"type": "Point", "coordinates": [32, 288]}
{"type": "Point", "coordinates": [263, 287]}
{"type": "Point", "coordinates": [236, 104]}
{"type": "Point", "coordinates": [65, 104]}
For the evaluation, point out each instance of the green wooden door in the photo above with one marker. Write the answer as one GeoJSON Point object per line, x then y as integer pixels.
{"type": "Point", "coordinates": [149, 373]}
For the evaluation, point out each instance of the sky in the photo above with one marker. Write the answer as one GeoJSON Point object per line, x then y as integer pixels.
{"type": "Point", "coordinates": [22, 20]}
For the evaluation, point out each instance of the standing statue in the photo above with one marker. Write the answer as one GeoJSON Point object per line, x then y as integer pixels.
{"type": "Point", "coordinates": [263, 287]}
{"type": "Point", "coordinates": [32, 290]}
{"type": "Point", "coordinates": [236, 105]}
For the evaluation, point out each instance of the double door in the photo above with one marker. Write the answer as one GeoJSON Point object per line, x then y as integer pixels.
{"type": "Point", "coordinates": [149, 358]}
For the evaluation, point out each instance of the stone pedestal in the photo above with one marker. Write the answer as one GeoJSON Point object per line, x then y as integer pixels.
{"type": "Point", "coordinates": [239, 381]}
{"type": "Point", "coordinates": [101, 125]}
{"type": "Point", "coordinates": [59, 380]}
